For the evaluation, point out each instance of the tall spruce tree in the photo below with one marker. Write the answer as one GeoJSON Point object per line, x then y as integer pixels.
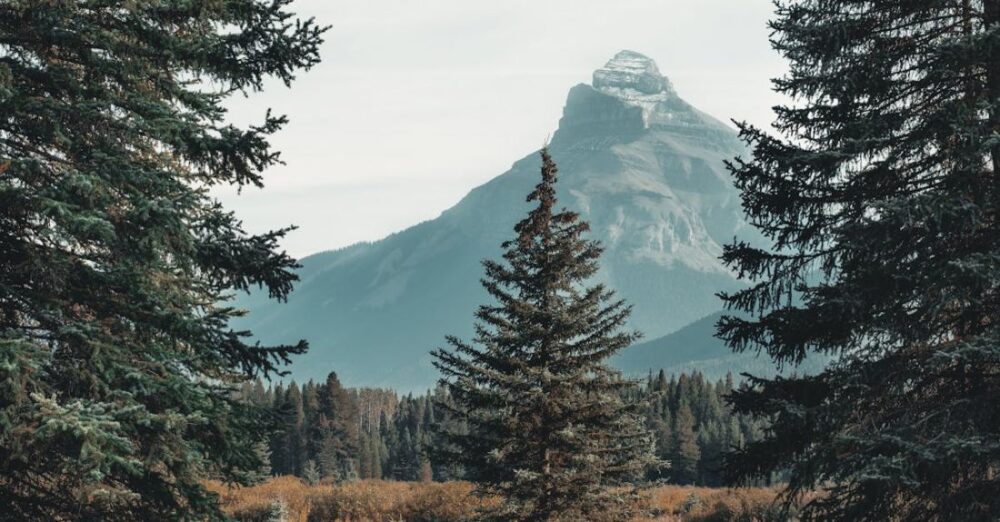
{"type": "Point", "coordinates": [547, 429]}
{"type": "Point", "coordinates": [685, 451]}
{"type": "Point", "coordinates": [338, 428]}
{"type": "Point", "coordinates": [116, 359]}
{"type": "Point", "coordinates": [882, 199]}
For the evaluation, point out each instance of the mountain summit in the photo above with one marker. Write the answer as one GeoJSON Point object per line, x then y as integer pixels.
{"type": "Point", "coordinates": [643, 166]}
{"type": "Point", "coordinates": [634, 78]}
{"type": "Point", "coordinates": [631, 75]}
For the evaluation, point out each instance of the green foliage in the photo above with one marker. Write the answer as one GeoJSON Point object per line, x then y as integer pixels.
{"type": "Point", "coordinates": [353, 433]}
{"type": "Point", "coordinates": [547, 427]}
{"type": "Point", "coordinates": [334, 429]}
{"type": "Point", "coordinates": [116, 361]}
{"type": "Point", "coordinates": [693, 427]}
{"type": "Point", "coordinates": [882, 201]}
{"type": "Point", "coordinates": [385, 448]}
{"type": "Point", "coordinates": [686, 453]}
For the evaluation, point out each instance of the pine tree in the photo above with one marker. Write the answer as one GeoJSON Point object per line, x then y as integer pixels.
{"type": "Point", "coordinates": [116, 358]}
{"type": "Point", "coordinates": [311, 431]}
{"type": "Point", "coordinates": [404, 456]}
{"type": "Point", "coordinates": [263, 452]}
{"type": "Point", "coordinates": [660, 427]}
{"type": "Point", "coordinates": [278, 445]}
{"type": "Point", "coordinates": [547, 428]}
{"type": "Point", "coordinates": [310, 472]}
{"type": "Point", "coordinates": [338, 430]}
{"type": "Point", "coordinates": [686, 452]}
{"type": "Point", "coordinates": [294, 430]}
{"type": "Point", "coordinates": [882, 202]}
{"type": "Point", "coordinates": [439, 445]}
{"type": "Point", "coordinates": [365, 458]}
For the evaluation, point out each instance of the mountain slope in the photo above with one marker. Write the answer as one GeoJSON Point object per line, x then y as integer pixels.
{"type": "Point", "coordinates": [694, 342]}
{"type": "Point", "coordinates": [694, 348]}
{"type": "Point", "coordinates": [639, 163]}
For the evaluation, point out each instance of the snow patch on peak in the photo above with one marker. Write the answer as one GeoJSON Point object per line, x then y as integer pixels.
{"type": "Point", "coordinates": [634, 78]}
{"type": "Point", "coordinates": [629, 71]}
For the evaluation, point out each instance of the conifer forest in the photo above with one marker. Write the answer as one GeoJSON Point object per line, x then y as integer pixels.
{"type": "Point", "coordinates": [369, 433]}
{"type": "Point", "coordinates": [452, 261]}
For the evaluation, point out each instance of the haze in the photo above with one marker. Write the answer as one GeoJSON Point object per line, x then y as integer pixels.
{"type": "Point", "coordinates": [415, 103]}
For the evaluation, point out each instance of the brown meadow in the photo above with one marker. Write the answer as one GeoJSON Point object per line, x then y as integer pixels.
{"type": "Point", "coordinates": [389, 501]}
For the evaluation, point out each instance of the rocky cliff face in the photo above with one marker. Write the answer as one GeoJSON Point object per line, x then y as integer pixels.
{"type": "Point", "coordinates": [639, 163]}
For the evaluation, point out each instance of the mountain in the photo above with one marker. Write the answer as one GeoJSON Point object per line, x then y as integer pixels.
{"type": "Point", "coordinates": [690, 344]}
{"type": "Point", "coordinates": [643, 166]}
{"type": "Point", "coordinates": [694, 348]}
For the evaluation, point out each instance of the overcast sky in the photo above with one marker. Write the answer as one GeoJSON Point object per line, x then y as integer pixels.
{"type": "Point", "coordinates": [417, 102]}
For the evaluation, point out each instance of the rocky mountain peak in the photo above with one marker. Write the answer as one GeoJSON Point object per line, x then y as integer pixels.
{"type": "Point", "coordinates": [630, 74]}
{"type": "Point", "coordinates": [627, 97]}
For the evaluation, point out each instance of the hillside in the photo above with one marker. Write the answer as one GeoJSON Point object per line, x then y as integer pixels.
{"type": "Point", "coordinates": [694, 348]}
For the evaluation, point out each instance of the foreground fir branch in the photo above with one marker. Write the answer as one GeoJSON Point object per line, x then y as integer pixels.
{"type": "Point", "coordinates": [116, 361]}
{"type": "Point", "coordinates": [547, 429]}
{"type": "Point", "coordinates": [883, 204]}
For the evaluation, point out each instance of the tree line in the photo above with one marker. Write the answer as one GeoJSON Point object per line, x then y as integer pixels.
{"type": "Point", "coordinates": [328, 431]}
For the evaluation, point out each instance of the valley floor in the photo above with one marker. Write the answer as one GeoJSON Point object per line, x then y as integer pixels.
{"type": "Point", "coordinates": [293, 500]}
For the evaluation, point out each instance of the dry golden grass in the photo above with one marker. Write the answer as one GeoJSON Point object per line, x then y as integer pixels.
{"type": "Point", "coordinates": [253, 504]}
{"type": "Point", "coordinates": [359, 501]}
{"type": "Point", "coordinates": [694, 504]}
{"type": "Point", "coordinates": [381, 501]}
{"type": "Point", "coordinates": [386, 501]}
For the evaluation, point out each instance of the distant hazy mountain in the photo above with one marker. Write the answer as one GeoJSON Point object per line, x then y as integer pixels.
{"type": "Point", "coordinates": [694, 342]}
{"type": "Point", "coordinates": [695, 348]}
{"type": "Point", "coordinates": [643, 166]}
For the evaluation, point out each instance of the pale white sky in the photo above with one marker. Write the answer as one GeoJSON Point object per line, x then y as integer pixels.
{"type": "Point", "coordinates": [417, 102]}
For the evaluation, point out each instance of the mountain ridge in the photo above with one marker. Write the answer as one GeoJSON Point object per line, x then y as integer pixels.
{"type": "Point", "coordinates": [639, 163]}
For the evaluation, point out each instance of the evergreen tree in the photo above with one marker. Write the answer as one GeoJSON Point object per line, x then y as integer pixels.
{"type": "Point", "coordinates": [278, 445]}
{"type": "Point", "coordinates": [686, 452]}
{"type": "Point", "coordinates": [365, 458]}
{"type": "Point", "coordinates": [338, 428]}
{"type": "Point", "coordinates": [439, 446]}
{"type": "Point", "coordinates": [661, 428]}
{"type": "Point", "coordinates": [882, 201]}
{"type": "Point", "coordinates": [263, 451]}
{"type": "Point", "coordinates": [294, 429]}
{"type": "Point", "coordinates": [547, 427]}
{"type": "Point", "coordinates": [310, 472]}
{"type": "Point", "coordinates": [311, 431]}
{"type": "Point", "coordinates": [116, 358]}
{"type": "Point", "coordinates": [404, 456]}
{"type": "Point", "coordinates": [376, 451]}
{"type": "Point", "coordinates": [413, 435]}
